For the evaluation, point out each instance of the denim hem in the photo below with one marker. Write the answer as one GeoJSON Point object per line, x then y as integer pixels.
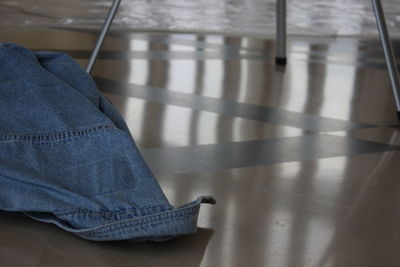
{"type": "Point", "coordinates": [159, 226]}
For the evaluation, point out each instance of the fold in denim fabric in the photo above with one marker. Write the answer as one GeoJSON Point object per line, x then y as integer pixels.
{"type": "Point", "coordinates": [67, 157]}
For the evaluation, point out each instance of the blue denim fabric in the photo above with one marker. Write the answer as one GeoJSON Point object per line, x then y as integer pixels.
{"type": "Point", "coordinates": [68, 158]}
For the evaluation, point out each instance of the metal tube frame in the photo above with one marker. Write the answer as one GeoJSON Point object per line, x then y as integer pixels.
{"type": "Point", "coordinates": [388, 51]}
{"type": "Point", "coordinates": [281, 32]}
{"type": "Point", "coordinates": [106, 26]}
{"type": "Point", "coordinates": [281, 42]}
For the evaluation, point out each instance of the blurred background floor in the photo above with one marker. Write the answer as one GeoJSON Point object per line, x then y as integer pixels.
{"type": "Point", "coordinates": [250, 17]}
{"type": "Point", "coordinates": [302, 159]}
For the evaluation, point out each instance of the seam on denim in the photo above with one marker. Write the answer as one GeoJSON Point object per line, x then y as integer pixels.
{"type": "Point", "coordinates": [138, 222]}
{"type": "Point", "coordinates": [107, 230]}
{"type": "Point", "coordinates": [69, 212]}
{"type": "Point", "coordinates": [114, 230]}
{"type": "Point", "coordinates": [153, 218]}
{"type": "Point", "coordinates": [60, 129]}
{"type": "Point", "coordinates": [56, 136]}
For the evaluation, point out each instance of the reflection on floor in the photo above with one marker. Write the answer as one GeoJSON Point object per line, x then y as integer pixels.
{"type": "Point", "coordinates": [302, 159]}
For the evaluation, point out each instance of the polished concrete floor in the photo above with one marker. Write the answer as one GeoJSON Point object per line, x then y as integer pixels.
{"type": "Point", "coordinates": [302, 159]}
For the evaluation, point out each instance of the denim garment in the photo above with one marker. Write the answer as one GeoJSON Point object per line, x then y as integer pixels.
{"type": "Point", "coordinates": [68, 158]}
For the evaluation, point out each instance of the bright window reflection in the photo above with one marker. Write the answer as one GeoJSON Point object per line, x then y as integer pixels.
{"type": "Point", "coordinates": [138, 67]}
{"type": "Point", "coordinates": [207, 128]}
{"type": "Point", "coordinates": [138, 45]}
{"type": "Point", "coordinates": [338, 91]}
{"type": "Point", "coordinates": [176, 126]}
{"type": "Point", "coordinates": [213, 78]}
{"type": "Point", "coordinates": [176, 47]}
{"type": "Point", "coordinates": [294, 95]}
{"type": "Point", "coordinates": [181, 75]}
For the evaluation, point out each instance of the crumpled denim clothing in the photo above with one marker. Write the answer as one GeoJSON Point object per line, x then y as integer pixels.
{"type": "Point", "coordinates": [68, 158]}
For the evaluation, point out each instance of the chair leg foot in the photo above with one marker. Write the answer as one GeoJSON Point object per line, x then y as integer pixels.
{"type": "Point", "coordinates": [281, 60]}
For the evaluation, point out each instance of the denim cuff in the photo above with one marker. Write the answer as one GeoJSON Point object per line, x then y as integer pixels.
{"type": "Point", "coordinates": [155, 227]}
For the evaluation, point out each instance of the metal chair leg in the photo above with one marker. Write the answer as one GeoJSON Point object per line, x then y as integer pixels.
{"type": "Point", "coordinates": [103, 33]}
{"type": "Point", "coordinates": [281, 32]}
{"type": "Point", "coordinates": [388, 51]}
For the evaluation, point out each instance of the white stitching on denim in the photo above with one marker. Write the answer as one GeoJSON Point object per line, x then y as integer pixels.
{"type": "Point", "coordinates": [56, 136]}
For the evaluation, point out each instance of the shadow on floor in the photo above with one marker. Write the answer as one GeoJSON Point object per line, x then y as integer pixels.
{"type": "Point", "coordinates": [46, 245]}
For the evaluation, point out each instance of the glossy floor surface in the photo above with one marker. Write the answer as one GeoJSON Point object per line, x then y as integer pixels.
{"type": "Point", "coordinates": [302, 159]}
{"type": "Point", "coordinates": [254, 17]}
